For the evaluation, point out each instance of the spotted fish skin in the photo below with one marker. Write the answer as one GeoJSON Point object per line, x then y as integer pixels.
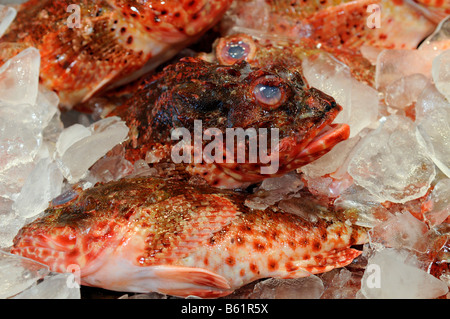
{"type": "Point", "coordinates": [116, 40]}
{"type": "Point", "coordinates": [151, 234]}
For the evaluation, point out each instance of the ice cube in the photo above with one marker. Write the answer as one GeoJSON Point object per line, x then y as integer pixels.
{"type": "Point", "coordinates": [10, 223]}
{"type": "Point", "coordinates": [392, 65]}
{"type": "Point", "coordinates": [393, 274]}
{"type": "Point", "coordinates": [429, 100]}
{"type": "Point", "coordinates": [81, 155]}
{"type": "Point", "coordinates": [7, 15]}
{"type": "Point", "coordinates": [328, 186]}
{"type": "Point", "coordinates": [70, 136]}
{"type": "Point", "coordinates": [330, 162]}
{"type": "Point", "coordinates": [54, 286]}
{"type": "Point", "coordinates": [110, 169]}
{"type": "Point", "coordinates": [341, 284]}
{"type": "Point", "coordinates": [18, 273]}
{"type": "Point", "coordinates": [391, 164]}
{"type": "Point", "coordinates": [272, 190]}
{"type": "Point", "coordinates": [19, 78]}
{"type": "Point", "coordinates": [43, 184]}
{"type": "Point", "coordinates": [440, 203]}
{"type": "Point", "coordinates": [359, 101]}
{"type": "Point", "coordinates": [441, 73]}
{"type": "Point", "coordinates": [433, 133]}
{"type": "Point", "coordinates": [310, 287]}
{"type": "Point", "coordinates": [361, 207]}
{"type": "Point", "coordinates": [406, 90]}
{"type": "Point", "coordinates": [439, 39]}
{"type": "Point", "coordinates": [402, 230]}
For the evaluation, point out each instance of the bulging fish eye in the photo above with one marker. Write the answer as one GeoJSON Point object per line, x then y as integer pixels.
{"type": "Point", "coordinates": [235, 48]}
{"type": "Point", "coordinates": [270, 92]}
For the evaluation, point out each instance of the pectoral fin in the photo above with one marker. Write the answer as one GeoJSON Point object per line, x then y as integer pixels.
{"type": "Point", "coordinates": [186, 281]}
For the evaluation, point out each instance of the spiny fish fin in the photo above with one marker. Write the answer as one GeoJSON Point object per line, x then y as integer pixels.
{"type": "Point", "coordinates": [330, 261]}
{"type": "Point", "coordinates": [186, 281]}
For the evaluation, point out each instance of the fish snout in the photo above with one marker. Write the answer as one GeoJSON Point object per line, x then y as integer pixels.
{"type": "Point", "coordinates": [56, 247]}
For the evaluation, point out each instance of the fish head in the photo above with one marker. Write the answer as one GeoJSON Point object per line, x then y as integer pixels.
{"type": "Point", "coordinates": [72, 233]}
{"type": "Point", "coordinates": [173, 21]}
{"type": "Point", "coordinates": [274, 100]}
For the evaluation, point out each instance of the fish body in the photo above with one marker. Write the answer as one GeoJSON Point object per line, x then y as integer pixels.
{"type": "Point", "coordinates": [152, 234]}
{"type": "Point", "coordinates": [390, 24]}
{"type": "Point", "coordinates": [228, 97]}
{"type": "Point", "coordinates": [93, 45]}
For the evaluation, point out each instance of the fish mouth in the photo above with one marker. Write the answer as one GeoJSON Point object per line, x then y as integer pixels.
{"type": "Point", "coordinates": [43, 249]}
{"type": "Point", "coordinates": [323, 142]}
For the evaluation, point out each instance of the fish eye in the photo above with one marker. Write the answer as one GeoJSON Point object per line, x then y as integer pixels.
{"type": "Point", "coordinates": [270, 92]}
{"type": "Point", "coordinates": [236, 48]}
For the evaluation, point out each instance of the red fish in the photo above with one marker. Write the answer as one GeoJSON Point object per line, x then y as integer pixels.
{"type": "Point", "coordinates": [93, 45]}
{"type": "Point", "coordinates": [149, 234]}
{"type": "Point", "coordinates": [272, 97]}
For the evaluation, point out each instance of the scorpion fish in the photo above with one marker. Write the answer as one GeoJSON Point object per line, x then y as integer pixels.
{"type": "Point", "coordinates": [107, 43]}
{"type": "Point", "coordinates": [232, 96]}
{"type": "Point", "coordinates": [157, 235]}
{"type": "Point", "coordinates": [390, 24]}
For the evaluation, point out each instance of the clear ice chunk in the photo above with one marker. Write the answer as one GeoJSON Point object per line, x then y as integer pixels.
{"type": "Point", "coordinates": [439, 39]}
{"type": "Point", "coordinates": [361, 207]}
{"type": "Point", "coordinates": [111, 168]}
{"type": "Point", "coordinates": [340, 284]}
{"type": "Point", "coordinates": [310, 287]}
{"type": "Point", "coordinates": [70, 136]}
{"type": "Point", "coordinates": [402, 230]}
{"type": "Point", "coordinates": [433, 132]}
{"type": "Point", "coordinates": [392, 65]}
{"type": "Point", "coordinates": [54, 286]}
{"type": "Point", "coordinates": [394, 274]}
{"type": "Point", "coordinates": [330, 162]}
{"type": "Point", "coordinates": [430, 99]}
{"type": "Point", "coordinates": [441, 73]}
{"type": "Point", "coordinates": [7, 15]}
{"type": "Point", "coordinates": [391, 164]}
{"type": "Point", "coordinates": [83, 153]}
{"type": "Point", "coordinates": [19, 78]}
{"type": "Point", "coordinates": [406, 90]}
{"type": "Point", "coordinates": [440, 203]}
{"type": "Point", "coordinates": [43, 184]}
{"type": "Point", "coordinates": [18, 273]}
{"type": "Point", "coordinates": [272, 190]}
{"type": "Point", "coordinates": [358, 100]}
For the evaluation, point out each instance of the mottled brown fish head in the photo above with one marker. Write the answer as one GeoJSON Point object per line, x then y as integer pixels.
{"type": "Point", "coordinates": [271, 105]}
